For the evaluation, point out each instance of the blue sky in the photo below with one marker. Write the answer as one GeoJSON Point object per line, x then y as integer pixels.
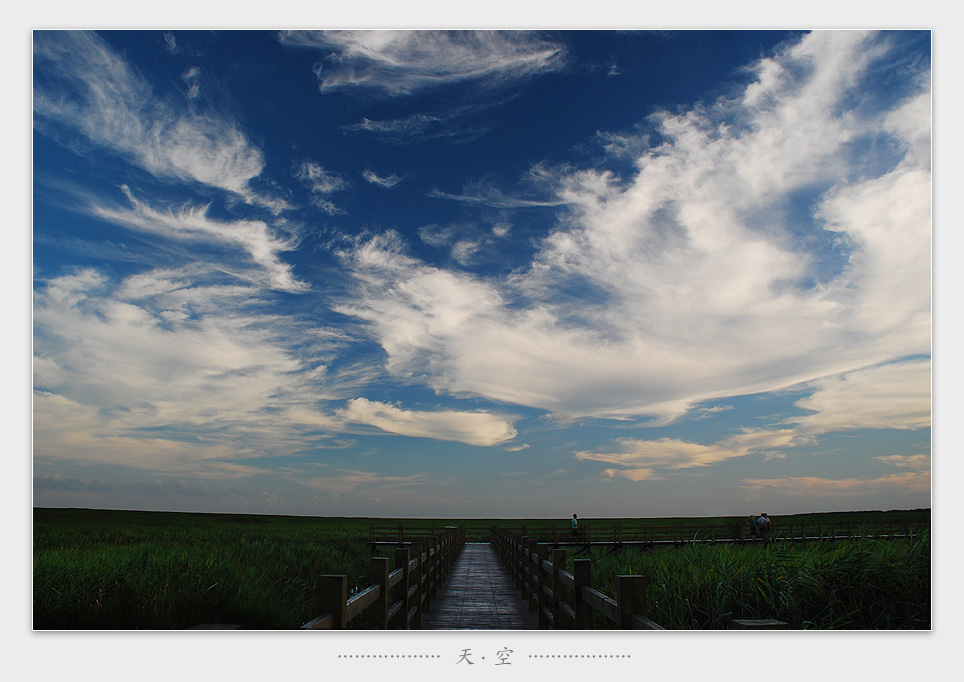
{"type": "Point", "coordinates": [482, 274]}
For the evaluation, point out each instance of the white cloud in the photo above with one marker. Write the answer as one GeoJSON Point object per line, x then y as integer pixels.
{"type": "Point", "coordinates": [192, 77]}
{"type": "Point", "coordinates": [815, 487]}
{"type": "Point", "coordinates": [891, 396]}
{"type": "Point", "coordinates": [83, 84]}
{"type": "Point", "coordinates": [454, 125]}
{"type": "Point", "coordinates": [752, 250]}
{"type": "Point", "coordinates": [403, 62]}
{"type": "Point", "coordinates": [646, 459]}
{"type": "Point", "coordinates": [192, 224]}
{"type": "Point", "coordinates": [387, 181]}
{"type": "Point", "coordinates": [163, 367]}
{"type": "Point", "coordinates": [322, 183]}
{"type": "Point", "coordinates": [475, 428]}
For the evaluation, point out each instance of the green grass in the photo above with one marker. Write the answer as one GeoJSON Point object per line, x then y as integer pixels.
{"type": "Point", "coordinates": [132, 570]}
{"type": "Point", "coordinates": [868, 584]}
{"type": "Point", "coordinates": [109, 570]}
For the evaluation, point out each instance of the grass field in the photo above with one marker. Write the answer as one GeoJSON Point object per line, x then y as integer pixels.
{"type": "Point", "coordinates": [866, 584]}
{"type": "Point", "coordinates": [111, 570]}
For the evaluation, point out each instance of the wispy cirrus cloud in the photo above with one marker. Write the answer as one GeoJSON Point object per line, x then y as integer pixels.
{"type": "Point", "coordinates": [894, 395]}
{"type": "Point", "coordinates": [164, 367]}
{"type": "Point", "coordinates": [83, 84]}
{"type": "Point", "coordinates": [817, 487]}
{"type": "Point", "coordinates": [404, 62]}
{"type": "Point", "coordinates": [891, 396]}
{"type": "Point", "coordinates": [322, 183]}
{"type": "Point", "coordinates": [457, 125]}
{"type": "Point", "coordinates": [385, 181]}
{"type": "Point", "coordinates": [640, 460]}
{"type": "Point", "coordinates": [465, 242]}
{"type": "Point", "coordinates": [485, 193]}
{"type": "Point", "coordinates": [188, 223]}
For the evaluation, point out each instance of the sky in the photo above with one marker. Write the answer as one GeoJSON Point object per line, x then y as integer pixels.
{"type": "Point", "coordinates": [460, 274]}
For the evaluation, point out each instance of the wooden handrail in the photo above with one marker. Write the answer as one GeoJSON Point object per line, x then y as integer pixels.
{"type": "Point", "coordinates": [546, 585]}
{"type": "Point", "coordinates": [735, 531]}
{"type": "Point", "coordinates": [393, 600]}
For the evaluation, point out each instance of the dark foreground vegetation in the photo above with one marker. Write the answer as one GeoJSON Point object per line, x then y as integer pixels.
{"type": "Point", "coordinates": [860, 584]}
{"type": "Point", "coordinates": [110, 570]}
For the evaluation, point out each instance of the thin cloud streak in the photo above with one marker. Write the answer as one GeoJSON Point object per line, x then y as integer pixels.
{"type": "Point", "coordinates": [474, 428]}
{"type": "Point", "coordinates": [893, 396]}
{"type": "Point", "coordinates": [191, 223]}
{"type": "Point", "coordinates": [403, 62]}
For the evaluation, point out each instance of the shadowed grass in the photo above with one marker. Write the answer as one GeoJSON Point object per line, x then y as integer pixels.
{"type": "Point", "coordinates": [151, 570]}
{"type": "Point", "coordinates": [132, 571]}
{"type": "Point", "coordinates": [869, 584]}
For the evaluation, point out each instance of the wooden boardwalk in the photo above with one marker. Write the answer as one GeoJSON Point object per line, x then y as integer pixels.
{"type": "Point", "coordinates": [478, 594]}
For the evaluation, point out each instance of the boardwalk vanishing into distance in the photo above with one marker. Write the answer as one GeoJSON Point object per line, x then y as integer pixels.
{"type": "Point", "coordinates": [479, 594]}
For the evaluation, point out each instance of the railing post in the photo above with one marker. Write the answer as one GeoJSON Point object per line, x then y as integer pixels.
{"type": "Point", "coordinates": [417, 617]}
{"type": "Point", "coordinates": [631, 598]}
{"type": "Point", "coordinates": [543, 600]}
{"type": "Point", "coordinates": [401, 561]}
{"type": "Point", "coordinates": [582, 574]}
{"type": "Point", "coordinates": [558, 590]}
{"type": "Point", "coordinates": [436, 566]}
{"type": "Point", "coordinates": [521, 565]}
{"type": "Point", "coordinates": [332, 596]}
{"type": "Point", "coordinates": [378, 573]}
{"type": "Point", "coordinates": [533, 563]}
{"type": "Point", "coordinates": [425, 576]}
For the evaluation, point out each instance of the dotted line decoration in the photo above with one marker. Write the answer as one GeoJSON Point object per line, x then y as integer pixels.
{"type": "Point", "coordinates": [579, 656]}
{"type": "Point", "coordinates": [437, 656]}
{"type": "Point", "coordinates": [423, 656]}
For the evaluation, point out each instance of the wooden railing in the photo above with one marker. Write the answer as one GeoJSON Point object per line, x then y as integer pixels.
{"type": "Point", "coordinates": [400, 534]}
{"type": "Point", "coordinates": [564, 600]}
{"type": "Point", "coordinates": [619, 535]}
{"type": "Point", "coordinates": [396, 599]}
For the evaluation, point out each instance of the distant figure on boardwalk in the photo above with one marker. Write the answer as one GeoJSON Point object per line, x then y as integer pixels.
{"type": "Point", "coordinates": [575, 526]}
{"type": "Point", "coordinates": [763, 523]}
{"type": "Point", "coordinates": [752, 523]}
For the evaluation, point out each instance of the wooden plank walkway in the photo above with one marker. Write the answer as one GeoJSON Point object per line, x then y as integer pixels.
{"type": "Point", "coordinates": [478, 594]}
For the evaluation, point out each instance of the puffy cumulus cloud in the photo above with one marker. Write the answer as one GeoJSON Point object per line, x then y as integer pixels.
{"type": "Point", "coordinates": [82, 83]}
{"type": "Point", "coordinates": [403, 62]}
{"type": "Point", "coordinates": [474, 428]}
{"type": "Point", "coordinates": [755, 247]}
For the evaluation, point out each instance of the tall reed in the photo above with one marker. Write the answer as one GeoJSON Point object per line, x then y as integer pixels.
{"type": "Point", "coordinates": [128, 572]}
{"type": "Point", "coordinates": [867, 584]}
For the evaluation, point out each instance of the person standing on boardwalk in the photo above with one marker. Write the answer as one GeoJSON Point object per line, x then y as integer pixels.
{"type": "Point", "coordinates": [575, 526]}
{"type": "Point", "coordinates": [764, 524]}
